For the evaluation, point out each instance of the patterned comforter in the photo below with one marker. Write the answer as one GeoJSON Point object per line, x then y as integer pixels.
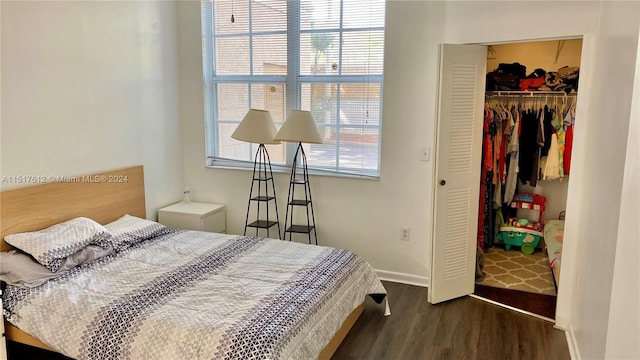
{"type": "Point", "coordinates": [196, 295]}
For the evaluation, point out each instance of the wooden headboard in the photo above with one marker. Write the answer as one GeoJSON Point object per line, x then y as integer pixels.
{"type": "Point", "coordinates": [102, 197]}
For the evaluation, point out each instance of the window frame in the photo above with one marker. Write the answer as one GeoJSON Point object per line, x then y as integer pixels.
{"type": "Point", "coordinates": [293, 82]}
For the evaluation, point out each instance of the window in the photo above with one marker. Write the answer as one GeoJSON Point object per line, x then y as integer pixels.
{"type": "Point", "coordinates": [325, 56]}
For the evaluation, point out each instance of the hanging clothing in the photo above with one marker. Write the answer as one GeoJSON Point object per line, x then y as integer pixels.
{"type": "Point", "coordinates": [496, 135]}
{"type": "Point", "coordinates": [569, 120]}
{"type": "Point", "coordinates": [547, 130]}
{"type": "Point", "coordinates": [497, 145]}
{"type": "Point", "coordinates": [514, 139]}
{"type": "Point", "coordinates": [507, 128]}
{"type": "Point", "coordinates": [551, 169]}
{"type": "Point", "coordinates": [568, 147]}
{"type": "Point", "coordinates": [514, 154]}
{"type": "Point", "coordinates": [535, 173]}
{"type": "Point", "coordinates": [490, 184]}
{"type": "Point", "coordinates": [561, 133]}
{"type": "Point", "coordinates": [485, 177]}
{"type": "Point", "coordinates": [528, 146]}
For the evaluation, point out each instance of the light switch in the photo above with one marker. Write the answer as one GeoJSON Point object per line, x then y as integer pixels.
{"type": "Point", "coordinates": [425, 154]}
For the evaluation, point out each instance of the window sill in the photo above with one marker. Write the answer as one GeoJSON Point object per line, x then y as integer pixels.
{"type": "Point", "coordinates": [283, 169]}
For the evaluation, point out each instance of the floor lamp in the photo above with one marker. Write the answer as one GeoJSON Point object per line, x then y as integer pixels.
{"type": "Point", "coordinates": [300, 127]}
{"type": "Point", "coordinates": [257, 127]}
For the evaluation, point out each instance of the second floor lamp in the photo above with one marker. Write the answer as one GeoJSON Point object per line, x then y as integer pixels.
{"type": "Point", "coordinates": [300, 127]}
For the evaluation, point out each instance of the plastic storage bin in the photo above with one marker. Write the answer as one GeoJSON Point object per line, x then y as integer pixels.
{"type": "Point", "coordinates": [526, 239]}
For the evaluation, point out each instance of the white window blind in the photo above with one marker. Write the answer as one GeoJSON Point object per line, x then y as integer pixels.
{"type": "Point", "coordinates": [325, 56]}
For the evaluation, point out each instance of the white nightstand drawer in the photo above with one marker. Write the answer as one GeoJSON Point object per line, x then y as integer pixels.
{"type": "Point", "coordinates": [194, 216]}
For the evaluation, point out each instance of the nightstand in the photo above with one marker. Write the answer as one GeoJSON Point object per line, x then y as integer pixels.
{"type": "Point", "coordinates": [3, 342]}
{"type": "Point", "coordinates": [194, 216]}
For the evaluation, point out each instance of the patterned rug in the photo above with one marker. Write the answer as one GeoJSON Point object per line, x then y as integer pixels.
{"type": "Point", "coordinates": [517, 271]}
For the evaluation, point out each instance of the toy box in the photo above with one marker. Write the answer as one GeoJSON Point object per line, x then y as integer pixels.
{"type": "Point", "coordinates": [522, 233]}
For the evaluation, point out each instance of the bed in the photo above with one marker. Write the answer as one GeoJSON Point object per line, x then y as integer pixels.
{"type": "Point", "coordinates": [248, 297]}
{"type": "Point", "coordinates": [553, 238]}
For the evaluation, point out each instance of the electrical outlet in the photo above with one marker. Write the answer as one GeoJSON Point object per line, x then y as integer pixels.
{"type": "Point", "coordinates": [404, 234]}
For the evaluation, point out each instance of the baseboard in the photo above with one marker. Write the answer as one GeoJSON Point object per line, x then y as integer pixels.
{"type": "Point", "coordinates": [573, 345]}
{"type": "Point", "coordinates": [403, 278]}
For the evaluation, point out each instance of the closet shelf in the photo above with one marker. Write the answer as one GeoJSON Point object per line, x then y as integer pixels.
{"type": "Point", "coordinates": [529, 93]}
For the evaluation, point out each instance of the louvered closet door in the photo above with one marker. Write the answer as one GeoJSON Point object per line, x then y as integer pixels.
{"type": "Point", "coordinates": [457, 170]}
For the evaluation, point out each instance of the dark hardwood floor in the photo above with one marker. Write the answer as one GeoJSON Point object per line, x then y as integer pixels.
{"type": "Point", "coordinates": [464, 328]}
{"type": "Point", "coordinates": [540, 304]}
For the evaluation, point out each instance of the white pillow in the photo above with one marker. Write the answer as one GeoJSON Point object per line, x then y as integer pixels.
{"type": "Point", "coordinates": [20, 270]}
{"type": "Point", "coordinates": [51, 246]}
{"type": "Point", "coordinates": [129, 230]}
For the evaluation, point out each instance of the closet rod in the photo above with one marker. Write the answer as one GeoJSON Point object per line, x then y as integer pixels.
{"type": "Point", "coordinates": [530, 93]}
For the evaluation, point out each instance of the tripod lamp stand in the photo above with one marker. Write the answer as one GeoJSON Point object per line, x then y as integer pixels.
{"type": "Point", "coordinates": [300, 127]}
{"type": "Point", "coordinates": [257, 127]}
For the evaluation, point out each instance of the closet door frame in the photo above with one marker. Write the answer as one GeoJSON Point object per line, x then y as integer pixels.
{"type": "Point", "coordinates": [569, 274]}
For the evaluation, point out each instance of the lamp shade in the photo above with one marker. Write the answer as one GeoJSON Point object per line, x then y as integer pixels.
{"type": "Point", "coordinates": [256, 127]}
{"type": "Point", "coordinates": [300, 127]}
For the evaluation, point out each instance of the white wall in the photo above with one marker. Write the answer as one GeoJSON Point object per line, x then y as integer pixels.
{"type": "Point", "coordinates": [538, 54]}
{"type": "Point", "coordinates": [602, 150]}
{"type": "Point", "coordinates": [90, 86]}
{"type": "Point", "coordinates": [624, 316]}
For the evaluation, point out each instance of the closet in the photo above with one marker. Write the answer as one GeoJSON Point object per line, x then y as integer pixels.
{"type": "Point", "coordinates": [529, 117]}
